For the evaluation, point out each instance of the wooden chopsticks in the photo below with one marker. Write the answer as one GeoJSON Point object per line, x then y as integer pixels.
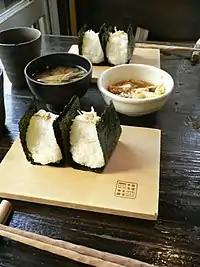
{"type": "Point", "coordinates": [65, 249]}
{"type": "Point", "coordinates": [167, 47]}
{"type": "Point", "coordinates": [71, 251]}
{"type": "Point", "coordinates": [5, 211]}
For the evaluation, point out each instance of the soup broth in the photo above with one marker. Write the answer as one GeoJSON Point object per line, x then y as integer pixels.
{"type": "Point", "coordinates": [60, 75]}
{"type": "Point", "coordinates": [136, 89]}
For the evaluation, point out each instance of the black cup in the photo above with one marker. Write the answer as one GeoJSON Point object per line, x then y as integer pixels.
{"type": "Point", "coordinates": [2, 106]}
{"type": "Point", "coordinates": [18, 46]}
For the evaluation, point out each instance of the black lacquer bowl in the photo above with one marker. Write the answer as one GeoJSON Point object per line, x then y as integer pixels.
{"type": "Point", "coordinates": [57, 96]}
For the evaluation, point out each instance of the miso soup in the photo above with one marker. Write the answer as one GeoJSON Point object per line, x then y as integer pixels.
{"type": "Point", "coordinates": [60, 74]}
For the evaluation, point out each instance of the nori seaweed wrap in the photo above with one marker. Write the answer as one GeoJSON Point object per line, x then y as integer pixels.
{"type": "Point", "coordinates": [93, 139]}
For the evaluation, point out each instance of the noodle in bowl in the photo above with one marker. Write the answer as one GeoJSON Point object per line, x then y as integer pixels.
{"type": "Point", "coordinates": [135, 106]}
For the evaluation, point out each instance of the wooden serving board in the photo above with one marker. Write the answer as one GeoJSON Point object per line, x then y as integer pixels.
{"type": "Point", "coordinates": [129, 185]}
{"type": "Point", "coordinates": [140, 56]}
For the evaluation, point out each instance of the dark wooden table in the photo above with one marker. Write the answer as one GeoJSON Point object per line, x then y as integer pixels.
{"type": "Point", "coordinates": [174, 239]}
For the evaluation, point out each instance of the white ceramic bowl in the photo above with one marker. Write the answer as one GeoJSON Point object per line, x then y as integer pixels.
{"type": "Point", "coordinates": [135, 107]}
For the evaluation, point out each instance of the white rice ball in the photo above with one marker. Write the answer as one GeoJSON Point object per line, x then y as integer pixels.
{"type": "Point", "coordinates": [117, 48]}
{"type": "Point", "coordinates": [40, 138]}
{"type": "Point", "coordinates": [85, 146]}
{"type": "Point", "coordinates": [91, 48]}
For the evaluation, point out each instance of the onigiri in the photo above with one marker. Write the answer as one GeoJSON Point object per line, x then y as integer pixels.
{"type": "Point", "coordinates": [85, 146]}
{"type": "Point", "coordinates": [40, 138]}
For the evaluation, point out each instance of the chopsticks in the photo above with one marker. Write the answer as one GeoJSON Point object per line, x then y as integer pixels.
{"type": "Point", "coordinates": [71, 251]}
{"type": "Point", "coordinates": [196, 54]}
{"type": "Point", "coordinates": [5, 211]}
{"type": "Point", "coordinates": [167, 47]}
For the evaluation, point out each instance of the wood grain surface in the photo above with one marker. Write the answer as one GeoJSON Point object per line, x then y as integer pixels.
{"type": "Point", "coordinates": [129, 183]}
{"type": "Point", "coordinates": [173, 240]}
{"type": "Point", "coordinates": [140, 56]}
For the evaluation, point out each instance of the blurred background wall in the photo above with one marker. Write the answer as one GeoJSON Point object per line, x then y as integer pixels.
{"type": "Point", "coordinates": [167, 20]}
